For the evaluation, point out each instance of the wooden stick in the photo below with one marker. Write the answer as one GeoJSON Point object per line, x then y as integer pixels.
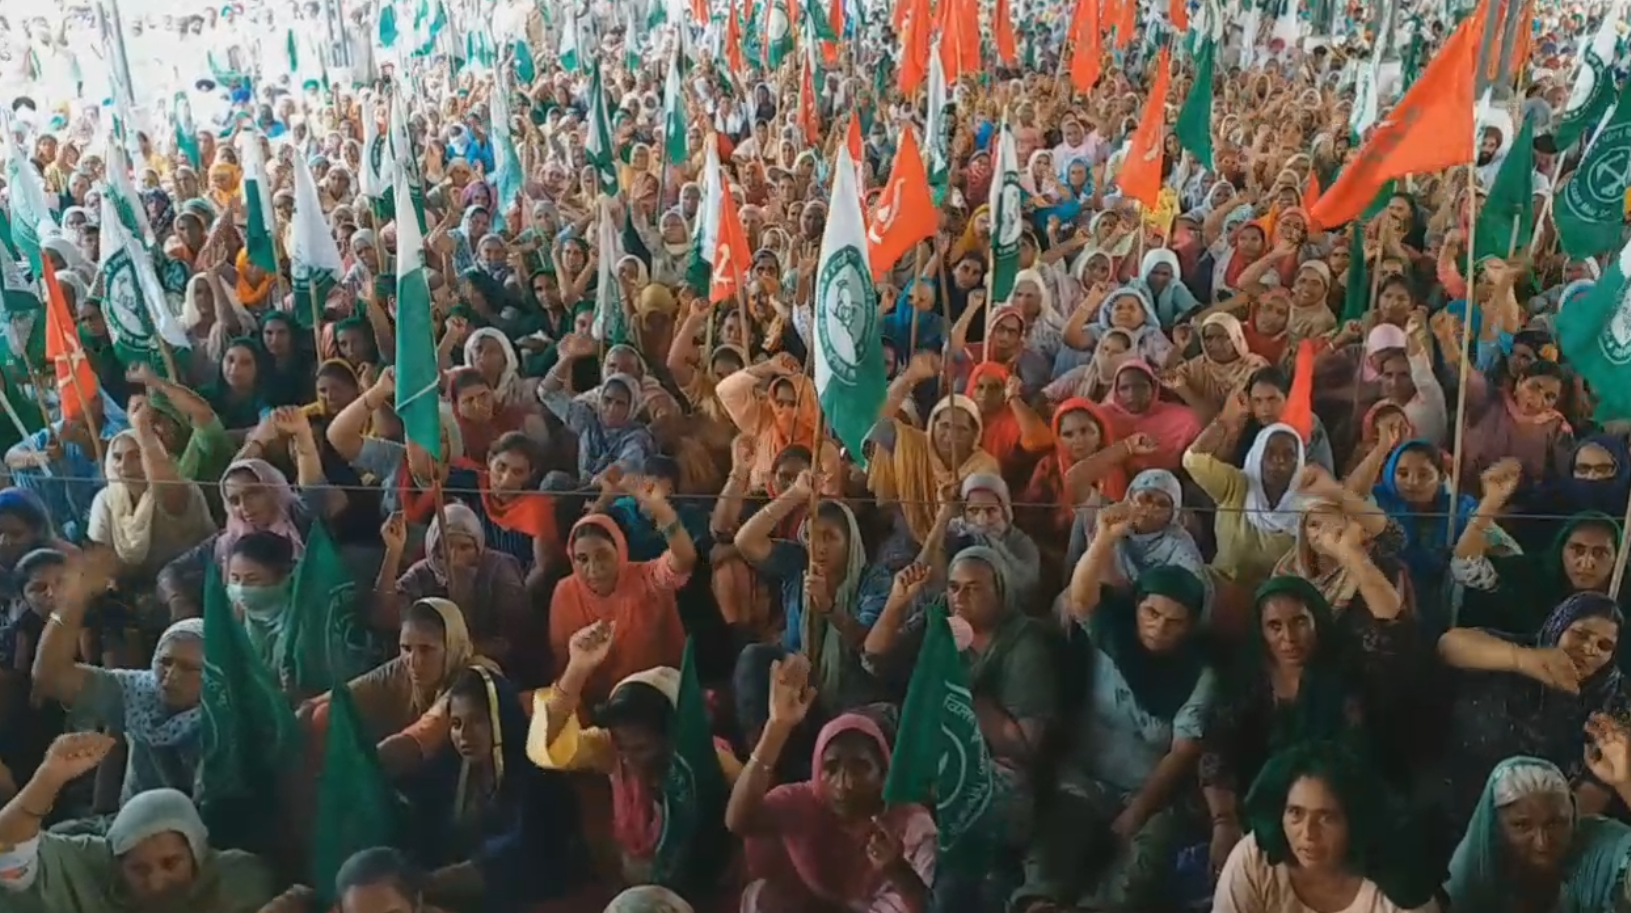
{"type": "Point", "coordinates": [1466, 356]}
{"type": "Point", "coordinates": [917, 272]}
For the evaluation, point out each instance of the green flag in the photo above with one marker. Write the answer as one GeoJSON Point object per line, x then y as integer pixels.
{"type": "Point", "coordinates": [1591, 205]}
{"type": "Point", "coordinates": [257, 190]}
{"type": "Point", "coordinates": [507, 172]}
{"type": "Point", "coordinates": [525, 70]}
{"type": "Point", "coordinates": [1506, 220]}
{"type": "Point", "coordinates": [598, 145]}
{"type": "Point", "coordinates": [133, 300]}
{"type": "Point", "coordinates": [418, 397]}
{"type": "Point", "coordinates": [849, 370]}
{"type": "Point", "coordinates": [314, 258]}
{"type": "Point", "coordinates": [611, 324]}
{"type": "Point", "coordinates": [1356, 295]}
{"type": "Point", "coordinates": [22, 416]}
{"type": "Point", "coordinates": [1194, 127]}
{"type": "Point", "coordinates": [694, 790]}
{"type": "Point", "coordinates": [705, 233]}
{"type": "Point", "coordinates": [1595, 336]}
{"type": "Point", "coordinates": [31, 215]}
{"type": "Point", "coordinates": [778, 41]}
{"type": "Point", "coordinates": [937, 127]}
{"type": "Point", "coordinates": [940, 756]}
{"type": "Point", "coordinates": [23, 320]}
{"type": "Point", "coordinates": [356, 808]}
{"type": "Point", "coordinates": [326, 644]}
{"type": "Point", "coordinates": [186, 131]}
{"type": "Point", "coordinates": [250, 738]}
{"type": "Point", "coordinates": [674, 126]}
{"type": "Point", "coordinates": [1593, 89]}
{"type": "Point", "coordinates": [571, 56]}
{"type": "Point", "coordinates": [1007, 218]}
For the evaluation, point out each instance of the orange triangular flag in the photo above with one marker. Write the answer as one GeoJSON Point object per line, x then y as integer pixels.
{"type": "Point", "coordinates": [968, 35]}
{"type": "Point", "coordinates": [1311, 191]}
{"type": "Point", "coordinates": [731, 253]}
{"type": "Point", "coordinates": [733, 42]}
{"type": "Point", "coordinates": [1002, 25]}
{"type": "Point", "coordinates": [699, 12]}
{"type": "Point", "coordinates": [1087, 56]}
{"type": "Point", "coordinates": [1140, 177]}
{"type": "Point", "coordinates": [1178, 13]}
{"type": "Point", "coordinates": [1127, 22]}
{"type": "Point", "coordinates": [76, 379]}
{"type": "Point", "coordinates": [950, 35]}
{"type": "Point", "coordinates": [808, 118]}
{"type": "Point", "coordinates": [1430, 129]}
{"type": "Point", "coordinates": [914, 46]}
{"type": "Point", "coordinates": [905, 213]}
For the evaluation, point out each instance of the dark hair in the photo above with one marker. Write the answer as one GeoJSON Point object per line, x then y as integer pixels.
{"type": "Point", "coordinates": [38, 560]}
{"type": "Point", "coordinates": [26, 506]}
{"type": "Point", "coordinates": [833, 512]}
{"type": "Point", "coordinates": [726, 353]}
{"type": "Point", "coordinates": [340, 371]}
{"type": "Point", "coordinates": [1401, 280]}
{"type": "Point", "coordinates": [379, 865]}
{"type": "Point", "coordinates": [1270, 375]}
{"type": "Point", "coordinates": [660, 466]}
{"type": "Point", "coordinates": [635, 704]}
{"type": "Point", "coordinates": [518, 442]}
{"type": "Point", "coordinates": [469, 684]}
{"type": "Point", "coordinates": [796, 453]}
{"type": "Point", "coordinates": [265, 547]}
{"type": "Point", "coordinates": [464, 379]}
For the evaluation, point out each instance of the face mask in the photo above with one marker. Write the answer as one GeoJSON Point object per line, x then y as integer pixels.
{"type": "Point", "coordinates": [259, 602]}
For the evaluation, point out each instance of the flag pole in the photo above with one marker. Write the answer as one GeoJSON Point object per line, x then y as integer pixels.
{"type": "Point", "coordinates": [1619, 559]}
{"type": "Point", "coordinates": [917, 270]}
{"type": "Point", "coordinates": [1466, 357]}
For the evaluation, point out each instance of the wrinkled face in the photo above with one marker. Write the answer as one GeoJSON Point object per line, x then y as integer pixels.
{"type": "Point", "coordinates": [1288, 630]}
{"type": "Point", "coordinates": [1098, 270]}
{"type": "Point", "coordinates": [1588, 556]}
{"type": "Point", "coordinates": [252, 503]}
{"type": "Point", "coordinates": [1135, 391]}
{"type": "Point", "coordinates": [159, 870]}
{"type": "Point", "coordinates": [493, 255]}
{"type": "Point", "coordinates": [1393, 374]}
{"type": "Point", "coordinates": [1027, 297]}
{"type": "Point", "coordinates": [1126, 313]}
{"type": "Point", "coordinates": [180, 670]}
{"type": "Point", "coordinates": [1080, 434]}
{"type": "Point", "coordinates": [983, 510]}
{"type": "Point", "coordinates": [472, 729]}
{"type": "Point", "coordinates": [852, 772]}
{"type": "Point", "coordinates": [463, 551]}
{"type": "Point", "coordinates": [1316, 825]}
{"type": "Point", "coordinates": [615, 405]}
{"type": "Point", "coordinates": [1163, 623]}
{"type": "Point", "coordinates": [1536, 831]}
{"type": "Point", "coordinates": [1280, 461]}
{"type": "Point", "coordinates": [1217, 345]}
{"type": "Point", "coordinates": [1537, 395]}
{"type": "Point", "coordinates": [595, 561]}
{"type": "Point", "coordinates": [238, 368]}
{"type": "Point", "coordinates": [1152, 510]}
{"type": "Point", "coordinates": [954, 436]}
{"type": "Point", "coordinates": [476, 403]}
{"type": "Point", "coordinates": [126, 456]}
{"type": "Point", "coordinates": [971, 592]}
{"type": "Point", "coordinates": [424, 651]}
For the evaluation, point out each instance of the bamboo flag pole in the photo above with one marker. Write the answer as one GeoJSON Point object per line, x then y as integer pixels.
{"type": "Point", "coordinates": [1619, 559]}
{"type": "Point", "coordinates": [1466, 356]}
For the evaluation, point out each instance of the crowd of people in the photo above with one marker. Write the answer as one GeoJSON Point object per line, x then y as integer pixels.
{"type": "Point", "coordinates": [1274, 574]}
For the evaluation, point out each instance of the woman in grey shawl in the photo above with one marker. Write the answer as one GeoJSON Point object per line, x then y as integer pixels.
{"type": "Point", "coordinates": [1157, 537]}
{"type": "Point", "coordinates": [983, 515]}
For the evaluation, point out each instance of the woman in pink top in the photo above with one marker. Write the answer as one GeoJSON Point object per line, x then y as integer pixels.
{"type": "Point", "coordinates": [1320, 842]}
{"type": "Point", "coordinates": [782, 414]}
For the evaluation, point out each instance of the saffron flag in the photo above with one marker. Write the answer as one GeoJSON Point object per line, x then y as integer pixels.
{"type": "Point", "coordinates": [905, 213]}
{"type": "Point", "coordinates": [1002, 26]}
{"type": "Point", "coordinates": [731, 253]}
{"type": "Point", "coordinates": [76, 379]}
{"type": "Point", "coordinates": [1140, 177]}
{"type": "Point", "coordinates": [1087, 51]}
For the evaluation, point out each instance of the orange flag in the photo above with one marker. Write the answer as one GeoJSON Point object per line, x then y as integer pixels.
{"type": "Point", "coordinates": [76, 379]}
{"type": "Point", "coordinates": [914, 46]}
{"type": "Point", "coordinates": [1311, 191]}
{"type": "Point", "coordinates": [1126, 24]}
{"type": "Point", "coordinates": [808, 118]}
{"type": "Point", "coordinates": [852, 139]}
{"type": "Point", "coordinates": [1178, 12]}
{"type": "Point", "coordinates": [1087, 57]}
{"type": "Point", "coordinates": [905, 213]}
{"type": "Point", "coordinates": [1002, 25]}
{"type": "Point", "coordinates": [1140, 176]}
{"type": "Point", "coordinates": [699, 11]}
{"type": "Point", "coordinates": [968, 21]}
{"type": "Point", "coordinates": [733, 42]}
{"type": "Point", "coordinates": [1110, 12]}
{"type": "Point", "coordinates": [731, 254]}
{"type": "Point", "coordinates": [1430, 129]}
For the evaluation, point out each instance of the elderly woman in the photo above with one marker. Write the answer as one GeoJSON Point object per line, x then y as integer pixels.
{"type": "Point", "coordinates": [983, 514]}
{"type": "Point", "coordinates": [1528, 848]}
{"type": "Point", "coordinates": [1156, 538]}
{"type": "Point", "coordinates": [1321, 836]}
{"type": "Point", "coordinates": [1222, 370]}
{"type": "Point", "coordinates": [148, 514]}
{"type": "Point", "coordinates": [609, 430]}
{"type": "Point", "coordinates": [1148, 692]}
{"type": "Point", "coordinates": [490, 352]}
{"type": "Point", "coordinates": [459, 566]}
{"type": "Point", "coordinates": [156, 854]}
{"type": "Point", "coordinates": [829, 839]}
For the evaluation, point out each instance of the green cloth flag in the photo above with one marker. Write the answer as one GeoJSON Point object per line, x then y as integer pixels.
{"type": "Point", "coordinates": [699, 268]}
{"type": "Point", "coordinates": [570, 54]}
{"type": "Point", "coordinates": [630, 241]}
{"type": "Point", "coordinates": [1506, 220]}
{"type": "Point", "coordinates": [133, 301]}
{"type": "Point", "coordinates": [7, 248]}
{"type": "Point", "coordinates": [525, 70]}
{"type": "Point", "coordinates": [1595, 336]}
{"type": "Point", "coordinates": [937, 127]}
{"type": "Point", "coordinates": [1007, 219]}
{"type": "Point", "coordinates": [291, 47]}
{"type": "Point", "coordinates": [1194, 126]}
{"type": "Point", "coordinates": [257, 190]}
{"type": "Point", "coordinates": [378, 169]}
{"type": "Point", "coordinates": [599, 146]}
{"type": "Point", "coordinates": [22, 415]}
{"type": "Point", "coordinates": [940, 756]}
{"type": "Point", "coordinates": [406, 160]}
{"type": "Point", "coordinates": [1590, 212]}
{"type": "Point", "coordinates": [250, 737]}
{"type": "Point", "coordinates": [849, 369]}
{"type": "Point", "coordinates": [611, 325]}
{"type": "Point", "coordinates": [1593, 89]}
{"type": "Point", "coordinates": [674, 124]}
{"type": "Point", "coordinates": [1356, 294]}
{"type": "Point", "coordinates": [418, 389]}
{"type": "Point", "coordinates": [820, 23]}
{"type": "Point", "coordinates": [356, 808]}
{"type": "Point", "coordinates": [327, 643]}
{"type": "Point", "coordinates": [186, 131]}
{"type": "Point", "coordinates": [778, 41]}
{"type": "Point", "coordinates": [694, 790]}
{"type": "Point", "coordinates": [24, 319]}
{"type": "Point", "coordinates": [387, 26]}
{"type": "Point", "coordinates": [31, 215]}
{"type": "Point", "coordinates": [314, 258]}
{"type": "Point", "coordinates": [507, 174]}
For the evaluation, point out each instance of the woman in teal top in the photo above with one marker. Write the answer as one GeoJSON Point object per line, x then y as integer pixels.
{"type": "Point", "coordinates": [1527, 849]}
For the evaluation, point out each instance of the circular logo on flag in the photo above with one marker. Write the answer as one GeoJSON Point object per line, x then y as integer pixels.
{"type": "Point", "coordinates": [777, 25]}
{"type": "Point", "coordinates": [848, 309]}
{"type": "Point", "coordinates": [963, 783]}
{"type": "Point", "coordinates": [1009, 226]}
{"type": "Point", "coordinates": [1596, 193]}
{"type": "Point", "coordinates": [1616, 340]}
{"type": "Point", "coordinates": [1585, 85]}
{"type": "Point", "coordinates": [376, 155]}
{"type": "Point", "coordinates": [679, 783]}
{"type": "Point", "coordinates": [122, 303]}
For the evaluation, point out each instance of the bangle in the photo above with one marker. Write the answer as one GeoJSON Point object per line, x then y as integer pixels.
{"type": "Point", "coordinates": [671, 528]}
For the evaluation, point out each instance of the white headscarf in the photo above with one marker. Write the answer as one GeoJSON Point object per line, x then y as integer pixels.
{"type": "Point", "coordinates": [1282, 516]}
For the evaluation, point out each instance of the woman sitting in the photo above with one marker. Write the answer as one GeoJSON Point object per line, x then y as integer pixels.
{"type": "Point", "coordinates": [156, 854]}
{"type": "Point", "coordinates": [1527, 848]}
{"type": "Point", "coordinates": [147, 514]}
{"type": "Point", "coordinates": [828, 840]}
{"type": "Point", "coordinates": [498, 834]}
{"type": "Point", "coordinates": [1320, 840]}
{"type": "Point", "coordinates": [632, 741]}
{"type": "Point", "coordinates": [1139, 739]}
{"type": "Point", "coordinates": [983, 514]}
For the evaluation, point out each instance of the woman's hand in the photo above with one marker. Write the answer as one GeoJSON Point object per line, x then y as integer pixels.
{"type": "Point", "coordinates": [790, 693]}
{"type": "Point", "coordinates": [1225, 834]}
{"type": "Point", "coordinates": [1114, 521]}
{"type": "Point", "coordinates": [1501, 480]}
{"type": "Point", "coordinates": [909, 581]}
{"type": "Point", "coordinates": [394, 532]}
{"type": "Point", "coordinates": [1141, 445]}
{"type": "Point", "coordinates": [73, 755]}
{"type": "Point", "coordinates": [743, 450]}
{"type": "Point", "coordinates": [590, 646]}
{"type": "Point", "coordinates": [1550, 666]}
{"type": "Point", "coordinates": [384, 389]}
{"type": "Point", "coordinates": [1608, 751]}
{"type": "Point", "coordinates": [883, 849]}
{"type": "Point", "coordinates": [818, 592]}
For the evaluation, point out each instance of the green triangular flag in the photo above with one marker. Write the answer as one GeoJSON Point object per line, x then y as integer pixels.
{"type": "Point", "coordinates": [1194, 126]}
{"type": "Point", "coordinates": [356, 808]}
{"type": "Point", "coordinates": [1590, 213]}
{"type": "Point", "coordinates": [1506, 219]}
{"type": "Point", "coordinates": [1356, 294]}
{"type": "Point", "coordinates": [1596, 342]}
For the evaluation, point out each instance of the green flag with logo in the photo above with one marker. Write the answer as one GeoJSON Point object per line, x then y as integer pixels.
{"type": "Point", "coordinates": [692, 804]}
{"type": "Point", "coordinates": [418, 387]}
{"type": "Point", "coordinates": [24, 314]}
{"type": "Point", "coordinates": [610, 324]}
{"type": "Point", "coordinates": [133, 300]}
{"type": "Point", "coordinates": [674, 126]}
{"type": "Point", "coordinates": [1593, 89]}
{"type": "Point", "coordinates": [1590, 207]}
{"type": "Point", "coordinates": [778, 41]}
{"type": "Point", "coordinates": [598, 145]}
{"type": "Point", "coordinates": [250, 737]}
{"type": "Point", "coordinates": [1506, 219]}
{"type": "Point", "coordinates": [259, 232]}
{"type": "Point", "coordinates": [326, 642]}
{"type": "Point", "coordinates": [356, 808]}
{"type": "Point", "coordinates": [940, 756]}
{"type": "Point", "coordinates": [31, 215]}
{"type": "Point", "coordinates": [937, 127]}
{"type": "Point", "coordinates": [1194, 126]}
{"type": "Point", "coordinates": [849, 369]}
{"type": "Point", "coordinates": [314, 258]}
{"type": "Point", "coordinates": [1007, 218]}
{"type": "Point", "coordinates": [1595, 336]}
